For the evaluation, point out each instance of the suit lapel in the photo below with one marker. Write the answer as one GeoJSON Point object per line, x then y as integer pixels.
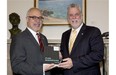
{"type": "Point", "coordinates": [67, 40]}
{"type": "Point", "coordinates": [79, 37]}
{"type": "Point", "coordinates": [30, 36]}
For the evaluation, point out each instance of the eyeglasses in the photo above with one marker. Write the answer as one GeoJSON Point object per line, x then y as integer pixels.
{"type": "Point", "coordinates": [77, 14]}
{"type": "Point", "coordinates": [36, 18]}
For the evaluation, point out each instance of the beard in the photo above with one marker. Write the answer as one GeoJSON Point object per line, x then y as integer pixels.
{"type": "Point", "coordinates": [75, 23]}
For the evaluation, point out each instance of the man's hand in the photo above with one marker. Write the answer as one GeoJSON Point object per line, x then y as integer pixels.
{"type": "Point", "coordinates": [47, 67]}
{"type": "Point", "coordinates": [60, 55]}
{"type": "Point", "coordinates": [66, 64]}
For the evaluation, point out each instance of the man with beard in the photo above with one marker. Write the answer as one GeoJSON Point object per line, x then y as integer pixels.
{"type": "Point", "coordinates": [82, 46]}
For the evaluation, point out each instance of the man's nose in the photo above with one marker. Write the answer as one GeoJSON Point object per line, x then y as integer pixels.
{"type": "Point", "coordinates": [37, 20]}
{"type": "Point", "coordinates": [74, 17]}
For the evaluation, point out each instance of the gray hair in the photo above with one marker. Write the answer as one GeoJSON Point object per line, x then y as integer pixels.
{"type": "Point", "coordinates": [75, 6]}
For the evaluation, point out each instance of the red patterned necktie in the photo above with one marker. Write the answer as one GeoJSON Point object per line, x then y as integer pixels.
{"type": "Point", "coordinates": [40, 42]}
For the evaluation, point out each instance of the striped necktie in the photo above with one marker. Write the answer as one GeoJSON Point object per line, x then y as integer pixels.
{"type": "Point", "coordinates": [40, 42]}
{"type": "Point", "coordinates": [72, 39]}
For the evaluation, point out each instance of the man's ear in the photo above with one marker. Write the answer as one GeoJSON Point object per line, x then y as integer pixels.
{"type": "Point", "coordinates": [27, 19]}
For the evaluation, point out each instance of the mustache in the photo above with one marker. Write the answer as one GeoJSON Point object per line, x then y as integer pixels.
{"type": "Point", "coordinates": [75, 20]}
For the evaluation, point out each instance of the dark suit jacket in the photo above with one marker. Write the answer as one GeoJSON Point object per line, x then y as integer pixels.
{"type": "Point", "coordinates": [25, 54]}
{"type": "Point", "coordinates": [86, 53]}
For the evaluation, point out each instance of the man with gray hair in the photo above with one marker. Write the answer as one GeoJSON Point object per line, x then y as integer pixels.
{"type": "Point", "coordinates": [82, 46]}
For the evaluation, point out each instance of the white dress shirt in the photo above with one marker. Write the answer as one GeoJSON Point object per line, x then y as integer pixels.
{"type": "Point", "coordinates": [34, 34]}
{"type": "Point", "coordinates": [77, 30]}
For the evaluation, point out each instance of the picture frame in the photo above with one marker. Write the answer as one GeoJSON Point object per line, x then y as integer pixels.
{"type": "Point", "coordinates": [55, 11]}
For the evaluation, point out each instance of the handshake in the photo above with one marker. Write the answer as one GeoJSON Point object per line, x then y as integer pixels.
{"type": "Point", "coordinates": [64, 63]}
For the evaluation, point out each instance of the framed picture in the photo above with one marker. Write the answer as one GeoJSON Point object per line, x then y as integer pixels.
{"type": "Point", "coordinates": [55, 11]}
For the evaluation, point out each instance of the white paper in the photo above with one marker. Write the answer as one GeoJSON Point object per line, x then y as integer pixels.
{"type": "Point", "coordinates": [56, 48]}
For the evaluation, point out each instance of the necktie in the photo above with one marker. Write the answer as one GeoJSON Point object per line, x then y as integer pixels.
{"type": "Point", "coordinates": [72, 39]}
{"type": "Point", "coordinates": [40, 42]}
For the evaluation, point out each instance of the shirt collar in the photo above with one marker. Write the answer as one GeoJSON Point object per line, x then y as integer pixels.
{"type": "Point", "coordinates": [78, 29]}
{"type": "Point", "coordinates": [33, 32]}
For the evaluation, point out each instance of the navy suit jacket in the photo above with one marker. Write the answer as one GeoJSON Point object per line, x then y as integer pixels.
{"type": "Point", "coordinates": [26, 57]}
{"type": "Point", "coordinates": [87, 51]}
